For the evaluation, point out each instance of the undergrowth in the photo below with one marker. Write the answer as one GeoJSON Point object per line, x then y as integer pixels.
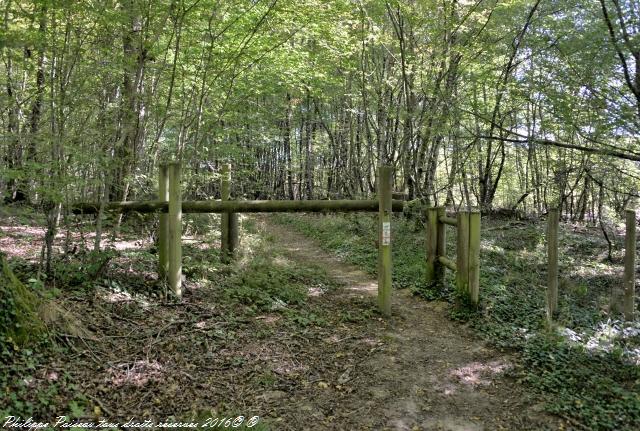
{"type": "Point", "coordinates": [591, 378]}
{"type": "Point", "coordinates": [258, 283]}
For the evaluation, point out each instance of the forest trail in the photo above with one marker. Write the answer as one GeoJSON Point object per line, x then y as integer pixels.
{"type": "Point", "coordinates": [429, 373]}
{"type": "Point", "coordinates": [330, 363]}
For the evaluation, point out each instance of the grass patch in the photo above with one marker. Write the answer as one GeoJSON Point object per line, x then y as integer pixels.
{"type": "Point", "coordinates": [273, 284]}
{"type": "Point", "coordinates": [353, 238]}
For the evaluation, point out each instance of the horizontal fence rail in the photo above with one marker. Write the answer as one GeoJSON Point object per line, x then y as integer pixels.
{"type": "Point", "coordinates": [448, 220]}
{"type": "Point", "coordinates": [215, 206]}
{"type": "Point", "coordinates": [448, 263]}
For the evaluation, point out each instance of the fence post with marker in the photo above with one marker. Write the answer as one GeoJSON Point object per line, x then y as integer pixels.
{"type": "Point", "coordinates": [384, 239]}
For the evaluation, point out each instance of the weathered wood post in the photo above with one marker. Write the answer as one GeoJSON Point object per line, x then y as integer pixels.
{"type": "Point", "coordinates": [629, 281]}
{"type": "Point", "coordinates": [175, 229]}
{"type": "Point", "coordinates": [384, 239]}
{"type": "Point", "coordinates": [228, 221]}
{"type": "Point", "coordinates": [225, 185]}
{"type": "Point", "coordinates": [553, 219]}
{"type": "Point", "coordinates": [474, 256]}
{"type": "Point", "coordinates": [462, 254]}
{"type": "Point", "coordinates": [432, 244]}
{"type": "Point", "coordinates": [441, 246]}
{"type": "Point", "coordinates": [163, 228]}
{"type": "Point", "coordinates": [233, 234]}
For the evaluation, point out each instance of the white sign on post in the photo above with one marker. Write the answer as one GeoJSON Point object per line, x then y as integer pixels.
{"type": "Point", "coordinates": [386, 233]}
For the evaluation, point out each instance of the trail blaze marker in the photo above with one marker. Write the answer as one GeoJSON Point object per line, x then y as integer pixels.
{"type": "Point", "coordinates": [386, 233]}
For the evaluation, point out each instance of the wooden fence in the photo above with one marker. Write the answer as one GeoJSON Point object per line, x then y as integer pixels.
{"type": "Point", "coordinates": [466, 266]}
{"type": "Point", "coordinates": [170, 207]}
{"type": "Point", "coordinates": [467, 263]}
{"type": "Point", "coordinates": [622, 296]}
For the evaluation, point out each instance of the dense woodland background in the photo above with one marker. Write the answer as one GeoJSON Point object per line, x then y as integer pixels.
{"type": "Point", "coordinates": [512, 107]}
{"type": "Point", "coordinates": [515, 104]}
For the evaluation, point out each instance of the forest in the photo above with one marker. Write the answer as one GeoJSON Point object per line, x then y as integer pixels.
{"type": "Point", "coordinates": [346, 135]}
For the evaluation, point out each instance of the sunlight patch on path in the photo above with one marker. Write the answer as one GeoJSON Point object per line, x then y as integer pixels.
{"type": "Point", "coordinates": [477, 373]}
{"type": "Point", "coordinates": [138, 373]}
{"type": "Point", "coordinates": [355, 281]}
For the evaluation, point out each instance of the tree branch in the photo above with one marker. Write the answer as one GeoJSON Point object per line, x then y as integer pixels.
{"type": "Point", "coordinates": [614, 42]}
{"type": "Point", "coordinates": [552, 143]}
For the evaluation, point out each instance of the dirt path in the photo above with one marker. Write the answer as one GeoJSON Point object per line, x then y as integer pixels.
{"type": "Point", "coordinates": [424, 372]}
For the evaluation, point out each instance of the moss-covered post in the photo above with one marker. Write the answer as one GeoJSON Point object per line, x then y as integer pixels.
{"type": "Point", "coordinates": [225, 185]}
{"type": "Point", "coordinates": [441, 246]}
{"type": "Point", "coordinates": [384, 239]}
{"type": "Point", "coordinates": [553, 220]}
{"type": "Point", "coordinates": [175, 229]}
{"type": "Point", "coordinates": [432, 244]}
{"type": "Point", "coordinates": [233, 234]}
{"type": "Point", "coordinates": [462, 254]}
{"type": "Point", "coordinates": [163, 228]}
{"type": "Point", "coordinates": [232, 222]}
{"type": "Point", "coordinates": [629, 283]}
{"type": "Point", "coordinates": [474, 256]}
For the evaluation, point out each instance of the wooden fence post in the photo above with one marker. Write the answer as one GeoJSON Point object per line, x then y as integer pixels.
{"type": "Point", "coordinates": [441, 247]}
{"type": "Point", "coordinates": [225, 182]}
{"type": "Point", "coordinates": [233, 234]}
{"type": "Point", "coordinates": [552, 265]}
{"type": "Point", "coordinates": [175, 229]}
{"type": "Point", "coordinates": [228, 221]}
{"type": "Point", "coordinates": [432, 244]}
{"type": "Point", "coordinates": [629, 281]}
{"type": "Point", "coordinates": [462, 254]}
{"type": "Point", "coordinates": [163, 228]}
{"type": "Point", "coordinates": [474, 256]}
{"type": "Point", "coordinates": [384, 239]}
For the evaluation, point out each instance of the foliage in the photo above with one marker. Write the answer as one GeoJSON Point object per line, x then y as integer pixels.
{"type": "Point", "coordinates": [265, 287]}
{"type": "Point", "coordinates": [522, 104]}
{"type": "Point", "coordinates": [25, 393]}
{"type": "Point", "coordinates": [467, 99]}
{"type": "Point", "coordinates": [354, 238]}
{"type": "Point", "coordinates": [601, 391]}
{"type": "Point", "coordinates": [83, 270]}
